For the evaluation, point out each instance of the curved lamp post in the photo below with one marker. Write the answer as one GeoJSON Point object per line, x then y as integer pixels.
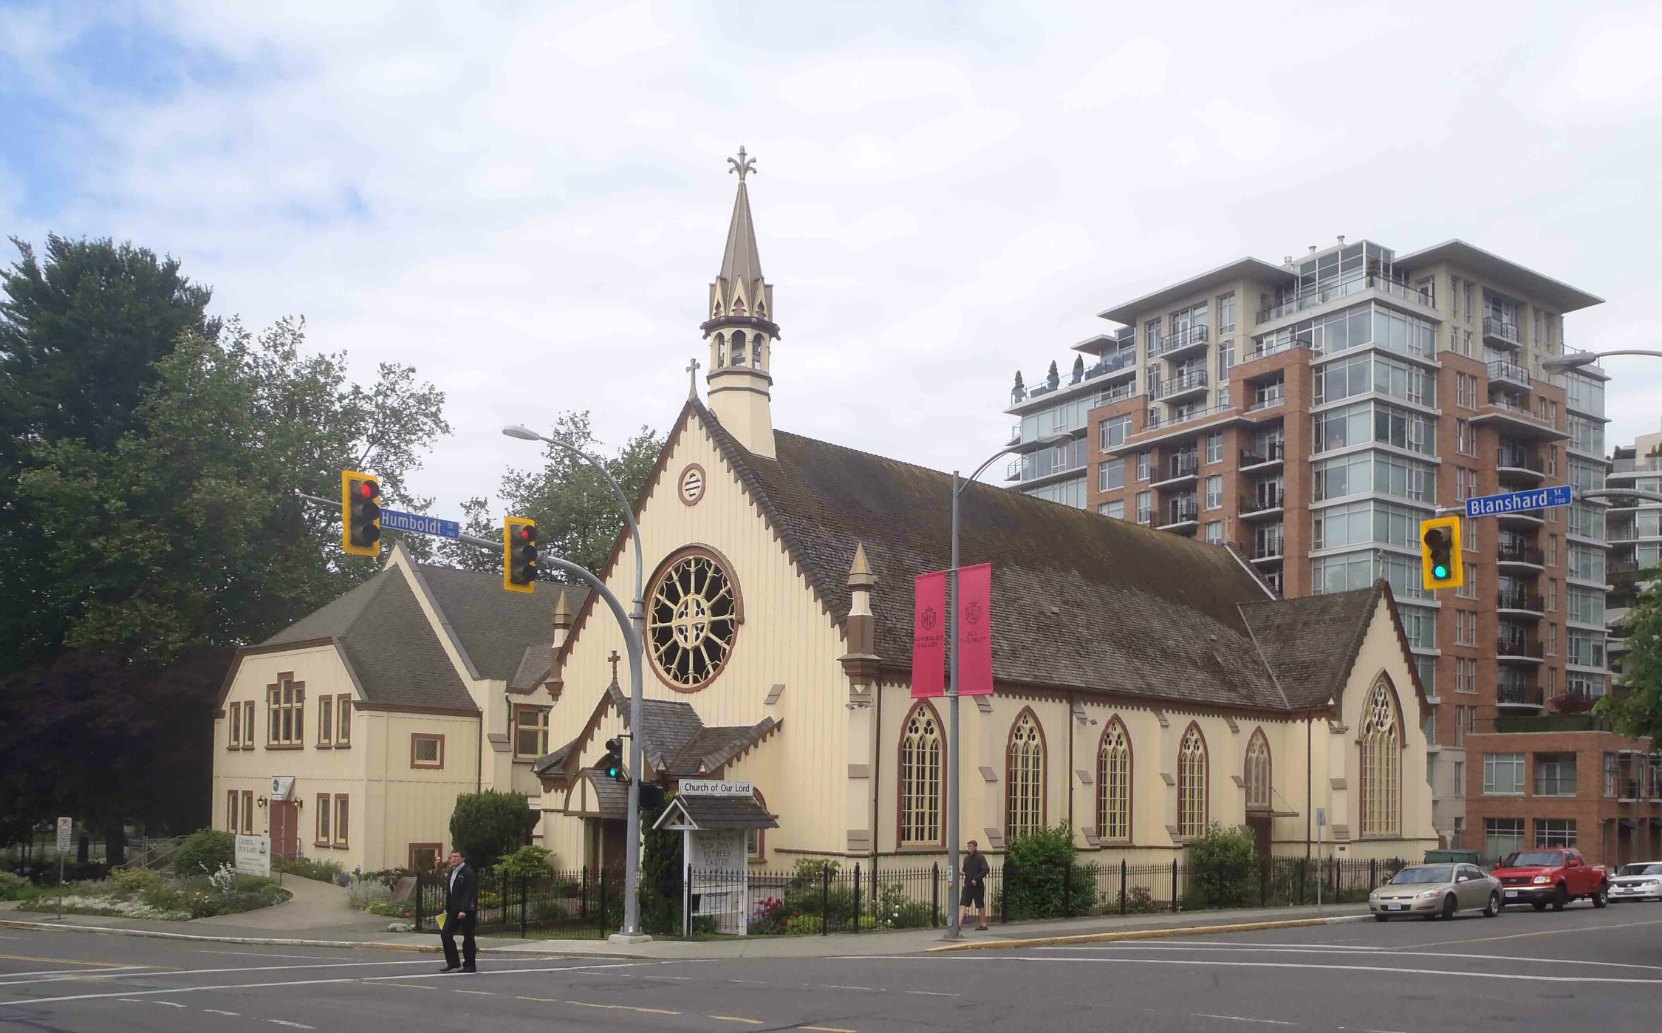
{"type": "Point", "coordinates": [637, 618]}
{"type": "Point", "coordinates": [953, 931]}
{"type": "Point", "coordinates": [1575, 360]}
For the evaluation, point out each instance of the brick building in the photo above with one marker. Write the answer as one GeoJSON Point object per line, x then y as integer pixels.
{"type": "Point", "coordinates": [1311, 413]}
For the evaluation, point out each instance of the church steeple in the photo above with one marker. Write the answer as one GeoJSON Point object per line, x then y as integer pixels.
{"type": "Point", "coordinates": [741, 330]}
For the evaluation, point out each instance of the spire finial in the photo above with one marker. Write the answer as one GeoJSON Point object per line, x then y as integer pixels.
{"type": "Point", "coordinates": [692, 378]}
{"type": "Point", "coordinates": [742, 164]}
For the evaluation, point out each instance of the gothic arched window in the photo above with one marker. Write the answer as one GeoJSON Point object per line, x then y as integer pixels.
{"type": "Point", "coordinates": [1025, 777]}
{"type": "Point", "coordinates": [1381, 763]}
{"type": "Point", "coordinates": [756, 343]}
{"type": "Point", "coordinates": [1113, 785]}
{"type": "Point", "coordinates": [721, 350]}
{"type": "Point", "coordinates": [1257, 773]}
{"type": "Point", "coordinates": [920, 776]}
{"type": "Point", "coordinates": [738, 348]}
{"type": "Point", "coordinates": [1191, 784]}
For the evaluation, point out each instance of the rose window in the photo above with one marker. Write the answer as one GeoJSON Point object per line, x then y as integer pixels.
{"type": "Point", "coordinates": [692, 617]}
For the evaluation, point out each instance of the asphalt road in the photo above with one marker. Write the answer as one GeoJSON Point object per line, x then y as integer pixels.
{"type": "Point", "coordinates": [1579, 970]}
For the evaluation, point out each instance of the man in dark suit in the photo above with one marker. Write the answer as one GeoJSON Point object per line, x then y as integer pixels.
{"type": "Point", "coordinates": [461, 913]}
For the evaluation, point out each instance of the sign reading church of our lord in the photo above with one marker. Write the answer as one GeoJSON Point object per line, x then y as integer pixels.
{"type": "Point", "coordinates": [718, 869]}
{"type": "Point", "coordinates": [975, 640]}
{"type": "Point", "coordinates": [254, 855]}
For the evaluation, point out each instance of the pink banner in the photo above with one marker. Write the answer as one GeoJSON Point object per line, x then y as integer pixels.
{"type": "Point", "coordinates": [929, 636]}
{"type": "Point", "coordinates": [975, 630]}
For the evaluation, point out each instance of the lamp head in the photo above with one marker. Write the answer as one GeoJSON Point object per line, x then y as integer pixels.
{"type": "Point", "coordinates": [1568, 361]}
{"type": "Point", "coordinates": [522, 432]}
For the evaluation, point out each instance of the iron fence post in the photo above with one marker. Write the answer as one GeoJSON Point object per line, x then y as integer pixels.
{"type": "Point", "coordinates": [935, 895]}
{"type": "Point", "coordinates": [603, 902]}
{"type": "Point", "coordinates": [856, 896]}
{"type": "Point", "coordinates": [825, 900]}
{"type": "Point", "coordinates": [1123, 872]}
{"type": "Point", "coordinates": [524, 889]}
{"type": "Point", "coordinates": [1004, 880]}
{"type": "Point", "coordinates": [418, 915]}
{"type": "Point", "coordinates": [1174, 885]}
{"type": "Point", "coordinates": [1067, 888]}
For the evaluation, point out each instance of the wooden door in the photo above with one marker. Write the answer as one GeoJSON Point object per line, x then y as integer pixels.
{"type": "Point", "coordinates": [285, 829]}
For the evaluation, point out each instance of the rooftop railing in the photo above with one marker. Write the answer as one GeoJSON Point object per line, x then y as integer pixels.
{"type": "Point", "coordinates": [1311, 297]}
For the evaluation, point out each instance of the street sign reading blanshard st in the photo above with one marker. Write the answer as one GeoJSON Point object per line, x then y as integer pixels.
{"type": "Point", "coordinates": [1520, 501]}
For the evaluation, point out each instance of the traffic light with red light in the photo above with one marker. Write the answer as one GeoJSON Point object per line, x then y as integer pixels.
{"type": "Point", "coordinates": [1440, 560]}
{"type": "Point", "coordinates": [360, 516]}
{"type": "Point", "coordinates": [519, 554]}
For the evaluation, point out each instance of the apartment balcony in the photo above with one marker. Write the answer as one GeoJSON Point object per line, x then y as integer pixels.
{"type": "Point", "coordinates": [1520, 649]}
{"type": "Point", "coordinates": [1516, 420]}
{"type": "Point", "coordinates": [1015, 436]}
{"type": "Point", "coordinates": [1187, 385]}
{"type": "Point", "coordinates": [1179, 343]}
{"type": "Point", "coordinates": [1523, 519]}
{"type": "Point", "coordinates": [1520, 604]}
{"type": "Point", "coordinates": [1501, 333]}
{"type": "Point", "coordinates": [1269, 549]}
{"type": "Point", "coordinates": [1311, 297]}
{"type": "Point", "coordinates": [1261, 505]}
{"type": "Point", "coordinates": [1113, 365]}
{"type": "Point", "coordinates": [1509, 374]}
{"type": "Point", "coordinates": [1519, 464]}
{"type": "Point", "coordinates": [1178, 469]}
{"type": "Point", "coordinates": [1180, 514]}
{"type": "Point", "coordinates": [1263, 457]}
{"type": "Point", "coordinates": [1520, 693]}
{"type": "Point", "coordinates": [1520, 555]}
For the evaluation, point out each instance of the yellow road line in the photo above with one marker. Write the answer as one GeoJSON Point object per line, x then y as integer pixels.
{"type": "Point", "coordinates": [1520, 936]}
{"type": "Point", "coordinates": [827, 1029]}
{"type": "Point", "coordinates": [735, 1018]}
{"type": "Point", "coordinates": [612, 1007]}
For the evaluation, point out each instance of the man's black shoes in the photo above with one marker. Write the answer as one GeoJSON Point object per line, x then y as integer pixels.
{"type": "Point", "coordinates": [469, 968]}
{"type": "Point", "coordinates": [448, 968]}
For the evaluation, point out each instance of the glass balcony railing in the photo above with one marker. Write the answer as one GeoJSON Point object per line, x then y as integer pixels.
{"type": "Point", "coordinates": [1311, 297]}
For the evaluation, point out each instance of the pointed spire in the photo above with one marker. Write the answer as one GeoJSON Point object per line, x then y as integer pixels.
{"type": "Point", "coordinates": [859, 575]}
{"type": "Point", "coordinates": [741, 261]}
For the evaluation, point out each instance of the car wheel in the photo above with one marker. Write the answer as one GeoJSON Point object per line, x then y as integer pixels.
{"type": "Point", "coordinates": [1449, 907]}
{"type": "Point", "coordinates": [1560, 897]}
{"type": "Point", "coordinates": [1539, 905]}
{"type": "Point", "coordinates": [1380, 918]}
{"type": "Point", "coordinates": [1601, 896]}
{"type": "Point", "coordinates": [1494, 905]}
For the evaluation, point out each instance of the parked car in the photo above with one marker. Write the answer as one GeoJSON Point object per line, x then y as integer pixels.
{"type": "Point", "coordinates": [1553, 876]}
{"type": "Point", "coordinates": [1640, 881]}
{"type": "Point", "coordinates": [1436, 890]}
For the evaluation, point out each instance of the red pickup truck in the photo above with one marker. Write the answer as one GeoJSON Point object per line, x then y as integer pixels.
{"type": "Point", "coordinates": [1555, 876]}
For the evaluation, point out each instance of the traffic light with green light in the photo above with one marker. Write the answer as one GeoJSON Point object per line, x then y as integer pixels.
{"type": "Point", "coordinates": [1440, 564]}
{"type": "Point", "coordinates": [519, 554]}
{"type": "Point", "coordinates": [612, 765]}
{"type": "Point", "coordinates": [360, 513]}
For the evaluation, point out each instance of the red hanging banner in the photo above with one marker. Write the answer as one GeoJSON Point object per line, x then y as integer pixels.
{"type": "Point", "coordinates": [975, 630]}
{"type": "Point", "coordinates": [929, 636]}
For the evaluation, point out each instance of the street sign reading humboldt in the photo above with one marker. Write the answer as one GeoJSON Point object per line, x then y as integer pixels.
{"type": "Point", "coordinates": [401, 521]}
{"type": "Point", "coordinates": [1520, 501]}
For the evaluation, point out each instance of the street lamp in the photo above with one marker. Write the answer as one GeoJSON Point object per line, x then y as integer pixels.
{"type": "Point", "coordinates": [953, 931]}
{"type": "Point", "coordinates": [1575, 360]}
{"type": "Point", "coordinates": [632, 847]}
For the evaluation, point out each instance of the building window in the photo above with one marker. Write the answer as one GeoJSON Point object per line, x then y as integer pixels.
{"type": "Point", "coordinates": [1381, 765]}
{"type": "Point", "coordinates": [1191, 785]}
{"type": "Point", "coordinates": [1114, 432]}
{"type": "Point", "coordinates": [1214, 532]}
{"type": "Point", "coordinates": [340, 821]}
{"type": "Point", "coordinates": [1110, 475]}
{"type": "Point", "coordinates": [1465, 675]}
{"type": "Point", "coordinates": [1115, 509]}
{"type": "Point", "coordinates": [1145, 465]}
{"type": "Point", "coordinates": [234, 723]}
{"type": "Point", "coordinates": [426, 751]}
{"type": "Point", "coordinates": [1555, 774]}
{"type": "Point", "coordinates": [1214, 447]}
{"type": "Point", "coordinates": [424, 857]}
{"type": "Point", "coordinates": [325, 720]}
{"type": "Point", "coordinates": [1465, 442]}
{"type": "Point", "coordinates": [1025, 777]}
{"type": "Point", "coordinates": [755, 840]}
{"type": "Point", "coordinates": [1502, 837]}
{"type": "Point", "coordinates": [1145, 507]}
{"type": "Point", "coordinates": [530, 731]}
{"type": "Point", "coordinates": [920, 777]}
{"type": "Point", "coordinates": [1214, 492]}
{"type": "Point", "coordinates": [1465, 628]}
{"type": "Point", "coordinates": [285, 714]}
{"type": "Point", "coordinates": [1503, 774]}
{"type": "Point", "coordinates": [343, 718]}
{"type": "Point", "coordinates": [323, 814]}
{"type": "Point", "coordinates": [1113, 785]}
{"type": "Point", "coordinates": [248, 812]}
{"type": "Point", "coordinates": [248, 725]}
{"type": "Point", "coordinates": [231, 797]}
{"type": "Point", "coordinates": [692, 620]}
{"type": "Point", "coordinates": [1555, 832]}
{"type": "Point", "coordinates": [1459, 778]}
{"type": "Point", "coordinates": [1257, 774]}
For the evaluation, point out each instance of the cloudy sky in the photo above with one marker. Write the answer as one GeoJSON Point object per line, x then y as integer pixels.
{"type": "Point", "coordinates": [945, 192]}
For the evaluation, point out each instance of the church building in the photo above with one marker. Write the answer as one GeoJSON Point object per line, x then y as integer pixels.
{"type": "Point", "coordinates": [1147, 686]}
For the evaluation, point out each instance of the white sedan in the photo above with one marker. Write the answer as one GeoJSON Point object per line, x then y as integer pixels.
{"type": "Point", "coordinates": [1640, 881]}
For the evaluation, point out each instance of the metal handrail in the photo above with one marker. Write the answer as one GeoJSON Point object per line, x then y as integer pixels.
{"type": "Point", "coordinates": [1500, 329]}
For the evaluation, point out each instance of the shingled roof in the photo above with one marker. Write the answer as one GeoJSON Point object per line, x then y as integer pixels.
{"type": "Point", "coordinates": [1080, 600]}
{"type": "Point", "coordinates": [395, 652]}
{"type": "Point", "coordinates": [673, 738]}
{"type": "Point", "coordinates": [1311, 643]}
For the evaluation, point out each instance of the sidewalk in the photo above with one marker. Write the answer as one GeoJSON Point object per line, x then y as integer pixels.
{"type": "Point", "coordinates": [320, 917]}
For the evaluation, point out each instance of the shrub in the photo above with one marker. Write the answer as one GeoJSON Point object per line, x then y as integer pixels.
{"type": "Point", "coordinates": [1223, 868]}
{"type": "Point", "coordinates": [15, 887]}
{"type": "Point", "coordinates": [898, 911]}
{"type": "Point", "coordinates": [486, 825]}
{"type": "Point", "coordinates": [364, 892]}
{"type": "Point", "coordinates": [528, 861]}
{"type": "Point", "coordinates": [307, 868]}
{"type": "Point", "coordinates": [132, 882]}
{"type": "Point", "coordinates": [804, 925]}
{"type": "Point", "coordinates": [204, 852]}
{"type": "Point", "coordinates": [1041, 879]}
{"type": "Point", "coordinates": [1139, 900]}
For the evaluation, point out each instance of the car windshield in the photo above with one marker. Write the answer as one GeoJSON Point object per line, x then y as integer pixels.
{"type": "Point", "coordinates": [1641, 869]}
{"type": "Point", "coordinates": [1535, 859]}
{"type": "Point", "coordinates": [1417, 875]}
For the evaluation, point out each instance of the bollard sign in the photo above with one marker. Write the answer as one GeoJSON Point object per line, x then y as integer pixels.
{"type": "Point", "coordinates": [254, 855]}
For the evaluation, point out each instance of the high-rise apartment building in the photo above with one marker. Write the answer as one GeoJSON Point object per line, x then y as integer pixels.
{"type": "Point", "coordinates": [1311, 413]}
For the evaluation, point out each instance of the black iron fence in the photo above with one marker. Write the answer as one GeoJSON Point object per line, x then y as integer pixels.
{"type": "Point", "coordinates": [582, 904]}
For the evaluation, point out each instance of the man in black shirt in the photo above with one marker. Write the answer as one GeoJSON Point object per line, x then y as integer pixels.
{"type": "Point", "coordinates": [975, 888]}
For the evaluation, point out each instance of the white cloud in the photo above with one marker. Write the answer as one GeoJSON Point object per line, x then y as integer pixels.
{"type": "Point", "coordinates": [1137, 68]}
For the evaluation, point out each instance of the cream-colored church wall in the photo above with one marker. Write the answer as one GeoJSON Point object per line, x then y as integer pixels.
{"type": "Point", "coordinates": [785, 637]}
{"type": "Point", "coordinates": [408, 804]}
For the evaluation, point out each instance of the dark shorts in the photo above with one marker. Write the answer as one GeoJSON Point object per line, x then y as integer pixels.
{"type": "Point", "coordinates": [974, 895]}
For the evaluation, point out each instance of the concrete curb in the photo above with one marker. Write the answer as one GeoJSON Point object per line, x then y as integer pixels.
{"type": "Point", "coordinates": [271, 941]}
{"type": "Point", "coordinates": [1143, 934]}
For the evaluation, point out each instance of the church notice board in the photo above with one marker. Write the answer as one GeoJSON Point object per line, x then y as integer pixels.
{"type": "Point", "coordinates": [718, 878]}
